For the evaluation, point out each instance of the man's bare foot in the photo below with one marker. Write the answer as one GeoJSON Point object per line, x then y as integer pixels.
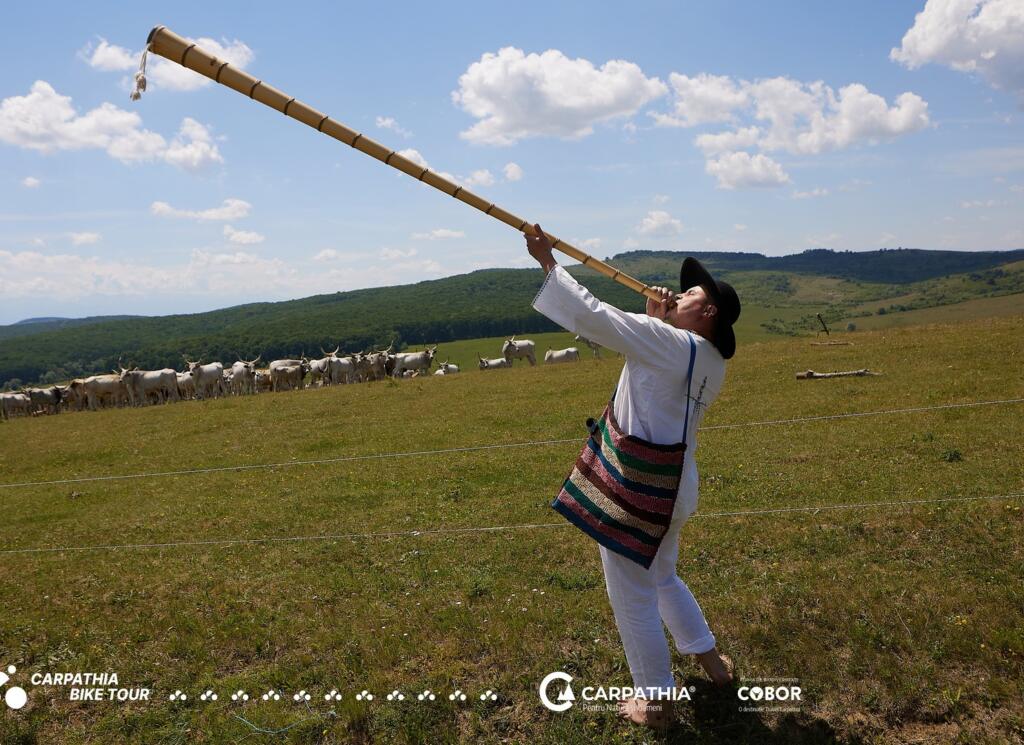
{"type": "Point", "coordinates": [718, 667]}
{"type": "Point", "coordinates": [654, 714]}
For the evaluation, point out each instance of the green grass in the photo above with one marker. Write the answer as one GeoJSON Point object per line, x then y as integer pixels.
{"type": "Point", "coordinates": [901, 623]}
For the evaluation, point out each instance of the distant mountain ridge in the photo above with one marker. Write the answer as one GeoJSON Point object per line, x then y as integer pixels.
{"type": "Point", "coordinates": [779, 294]}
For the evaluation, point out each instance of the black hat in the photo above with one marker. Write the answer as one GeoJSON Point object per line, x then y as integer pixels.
{"type": "Point", "coordinates": [693, 273]}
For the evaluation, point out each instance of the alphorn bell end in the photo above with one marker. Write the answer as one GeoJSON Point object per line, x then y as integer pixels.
{"type": "Point", "coordinates": [153, 33]}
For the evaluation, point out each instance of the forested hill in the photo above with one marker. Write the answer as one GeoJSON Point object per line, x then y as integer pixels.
{"type": "Point", "coordinates": [495, 302]}
{"type": "Point", "coordinates": [898, 266]}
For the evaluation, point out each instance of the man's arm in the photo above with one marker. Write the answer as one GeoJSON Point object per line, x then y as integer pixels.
{"type": "Point", "coordinates": [573, 307]}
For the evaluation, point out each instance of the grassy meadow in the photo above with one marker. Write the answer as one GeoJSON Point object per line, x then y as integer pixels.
{"type": "Point", "coordinates": [901, 623]}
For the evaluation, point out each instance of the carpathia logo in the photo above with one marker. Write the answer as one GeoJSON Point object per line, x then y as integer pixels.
{"type": "Point", "coordinates": [15, 696]}
{"type": "Point", "coordinates": [566, 697]}
{"type": "Point", "coordinates": [603, 694]}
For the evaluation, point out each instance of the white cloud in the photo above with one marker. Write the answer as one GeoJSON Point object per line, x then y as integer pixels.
{"type": "Point", "coordinates": [512, 172]}
{"type": "Point", "coordinates": [975, 203]}
{"type": "Point", "coordinates": [480, 178]}
{"type": "Point", "coordinates": [193, 148]}
{"type": "Point", "coordinates": [726, 142]}
{"type": "Point", "coordinates": [516, 95]}
{"type": "Point", "coordinates": [110, 57]}
{"type": "Point", "coordinates": [328, 254]}
{"type": "Point", "coordinates": [741, 170]}
{"type": "Point", "coordinates": [47, 122]}
{"type": "Point", "coordinates": [82, 239]}
{"type": "Point", "coordinates": [630, 243]}
{"type": "Point", "coordinates": [1018, 188]}
{"type": "Point", "coordinates": [660, 199]}
{"type": "Point", "coordinates": [397, 253]}
{"type": "Point", "coordinates": [387, 122]}
{"type": "Point", "coordinates": [72, 277]}
{"type": "Point", "coordinates": [659, 223]}
{"type": "Point", "coordinates": [162, 73]}
{"type": "Point", "coordinates": [740, 227]}
{"type": "Point", "coordinates": [985, 37]}
{"type": "Point", "coordinates": [703, 99]}
{"type": "Point", "coordinates": [782, 114]}
{"type": "Point", "coordinates": [438, 234]}
{"type": "Point", "coordinates": [589, 244]}
{"type": "Point", "coordinates": [31, 182]}
{"type": "Point", "coordinates": [415, 156]}
{"type": "Point", "coordinates": [243, 237]}
{"type": "Point", "coordinates": [823, 241]}
{"type": "Point", "coordinates": [230, 209]}
{"type": "Point", "coordinates": [817, 192]}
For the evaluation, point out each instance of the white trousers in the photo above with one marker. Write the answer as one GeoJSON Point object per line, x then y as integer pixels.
{"type": "Point", "coordinates": [644, 598]}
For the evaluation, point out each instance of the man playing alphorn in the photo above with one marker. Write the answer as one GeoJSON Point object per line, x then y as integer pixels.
{"type": "Point", "coordinates": [649, 403]}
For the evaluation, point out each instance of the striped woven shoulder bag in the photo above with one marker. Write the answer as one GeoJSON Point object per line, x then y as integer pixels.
{"type": "Point", "coordinates": [622, 488]}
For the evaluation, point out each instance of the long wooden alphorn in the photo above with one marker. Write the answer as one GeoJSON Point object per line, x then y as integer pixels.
{"type": "Point", "coordinates": [168, 44]}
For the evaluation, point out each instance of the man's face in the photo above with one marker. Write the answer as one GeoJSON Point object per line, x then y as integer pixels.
{"type": "Point", "coordinates": [689, 311]}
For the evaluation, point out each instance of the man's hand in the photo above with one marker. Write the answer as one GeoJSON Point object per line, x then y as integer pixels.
{"type": "Point", "coordinates": [539, 246]}
{"type": "Point", "coordinates": [657, 308]}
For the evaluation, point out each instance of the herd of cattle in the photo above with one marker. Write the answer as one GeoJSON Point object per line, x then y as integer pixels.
{"type": "Point", "coordinates": [134, 387]}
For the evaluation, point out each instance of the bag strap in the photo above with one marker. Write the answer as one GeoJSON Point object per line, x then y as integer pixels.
{"type": "Point", "coordinates": [689, 380]}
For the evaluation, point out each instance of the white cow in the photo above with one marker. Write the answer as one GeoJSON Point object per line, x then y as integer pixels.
{"type": "Point", "coordinates": [521, 349]}
{"type": "Point", "coordinates": [101, 389]}
{"type": "Point", "coordinates": [554, 356]}
{"type": "Point", "coordinates": [494, 364]}
{"type": "Point", "coordinates": [287, 377]}
{"type": "Point", "coordinates": [320, 370]}
{"type": "Point", "coordinates": [413, 361]}
{"type": "Point", "coordinates": [15, 404]}
{"type": "Point", "coordinates": [186, 386]}
{"type": "Point", "coordinates": [46, 399]}
{"type": "Point", "coordinates": [288, 374]}
{"type": "Point", "coordinates": [207, 379]}
{"type": "Point", "coordinates": [243, 376]}
{"type": "Point", "coordinates": [447, 368]}
{"type": "Point", "coordinates": [594, 346]}
{"type": "Point", "coordinates": [341, 369]}
{"type": "Point", "coordinates": [141, 384]}
{"type": "Point", "coordinates": [263, 380]}
{"type": "Point", "coordinates": [72, 398]}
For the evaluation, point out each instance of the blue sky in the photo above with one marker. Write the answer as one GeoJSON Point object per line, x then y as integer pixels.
{"type": "Point", "coordinates": [770, 127]}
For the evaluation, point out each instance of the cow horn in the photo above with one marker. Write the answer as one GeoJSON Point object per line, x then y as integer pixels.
{"type": "Point", "coordinates": [336, 350]}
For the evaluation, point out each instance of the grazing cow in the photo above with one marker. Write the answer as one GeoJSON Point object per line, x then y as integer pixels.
{"type": "Point", "coordinates": [513, 349]}
{"type": "Point", "coordinates": [243, 376]}
{"type": "Point", "coordinates": [414, 361]}
{"type": "Point", "coordinates": [594, 346]}
{"type": "Point", "coordinates": [15, 404]}
{"type": "Point", "coordinates": [554, 356]}
{"type": "Point", "coordinates": [447, 368]}
{"type": "Point", "coordinates": [207, 379]}
{"type": "Point", "coordinates": [186, 386]}
{"type": "Point", "coordinates": [494, 364]}
{"type": "Point", "coordinates": [101, 389]}
{"type": "Point", "coordinates": [46, 399]}
{"type": "Point", "coordinates": [141, 384]}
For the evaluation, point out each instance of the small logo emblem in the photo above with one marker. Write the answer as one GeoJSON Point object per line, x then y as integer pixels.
{"type": "Point", "coordinates": [15, 696]}
{"type": "Point", "coordinates": [565, 698]}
